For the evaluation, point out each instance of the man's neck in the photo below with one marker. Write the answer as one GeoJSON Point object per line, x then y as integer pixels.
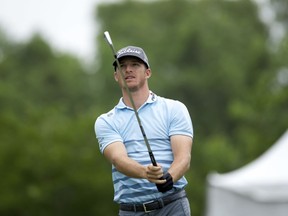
{"type": "Point", "coordinates": [139, 98]}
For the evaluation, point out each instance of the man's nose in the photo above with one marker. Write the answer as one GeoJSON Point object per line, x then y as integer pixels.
{"type": "Point", "coordinates": [128, 68]}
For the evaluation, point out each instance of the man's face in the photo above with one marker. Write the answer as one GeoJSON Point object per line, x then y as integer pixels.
{"type": "Point", "coordinates": [135, 72]}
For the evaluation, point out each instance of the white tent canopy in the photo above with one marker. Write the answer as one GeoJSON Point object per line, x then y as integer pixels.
{"type": "Point", "coordinates": [259, 188]}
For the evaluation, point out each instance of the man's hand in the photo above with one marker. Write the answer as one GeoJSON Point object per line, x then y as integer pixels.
{"type": "Point", "coordinates": [155, 174]}
{"type": "Point", "coordinates": [168, 185]}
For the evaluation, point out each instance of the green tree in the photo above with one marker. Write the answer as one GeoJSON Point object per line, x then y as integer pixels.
{"type": "Point", "coordinates": [213, 56]}
{"type": "Point", "coordinates": [48, 158]}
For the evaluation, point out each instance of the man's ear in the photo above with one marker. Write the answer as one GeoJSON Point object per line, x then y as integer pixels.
{"type": "Point", "coordinates": [148, 73]}
{"type": "Point", "coordinates": [116, 77]}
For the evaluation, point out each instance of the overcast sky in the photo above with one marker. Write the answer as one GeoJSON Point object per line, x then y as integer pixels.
{"type": "Point", "coordinates": [67, 25]}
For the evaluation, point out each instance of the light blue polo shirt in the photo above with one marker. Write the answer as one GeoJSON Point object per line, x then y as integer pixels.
{"type": "Point", "coordinates": [161, 118]}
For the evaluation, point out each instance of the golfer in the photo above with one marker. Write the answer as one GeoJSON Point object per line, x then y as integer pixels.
{"type": "Point", "coordinates": [139, 187]}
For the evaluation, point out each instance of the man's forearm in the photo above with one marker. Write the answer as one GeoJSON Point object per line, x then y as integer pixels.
{"type": "Point", "coordinates": [179, 167]}
{"type": "Point", "coordinates": [181, 147]}
{"type": "Point", "coordinates": [129, 167]}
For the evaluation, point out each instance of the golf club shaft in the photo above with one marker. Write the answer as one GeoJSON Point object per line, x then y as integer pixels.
{"type": "Point", "coordinates": [152, 158]}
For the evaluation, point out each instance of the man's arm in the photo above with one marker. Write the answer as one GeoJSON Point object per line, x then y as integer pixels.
{"type": "Point", "coordinates": [181, 147]}
{"type": "Point", "coordinates": [117, 155]}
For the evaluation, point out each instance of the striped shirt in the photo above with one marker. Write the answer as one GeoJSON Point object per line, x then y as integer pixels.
{"type": "Point", "coordinates": [161, 118]}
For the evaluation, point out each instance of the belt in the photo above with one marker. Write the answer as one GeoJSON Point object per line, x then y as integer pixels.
{"type": "Point", "coordinates": [154, 204]}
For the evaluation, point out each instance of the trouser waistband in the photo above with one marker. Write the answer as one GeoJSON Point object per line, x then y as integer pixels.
{"type": "Point", "coordinates": [154, 204]}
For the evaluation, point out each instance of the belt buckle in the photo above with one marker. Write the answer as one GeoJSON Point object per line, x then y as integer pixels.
{"type": "Point", "coordinates": [145, 208]}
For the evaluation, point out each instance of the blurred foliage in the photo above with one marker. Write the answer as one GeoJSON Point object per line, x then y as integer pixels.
{"type": "Point", "coordinates": [281, 12]}
{"type": "Point", "coordinates": [211, 55]}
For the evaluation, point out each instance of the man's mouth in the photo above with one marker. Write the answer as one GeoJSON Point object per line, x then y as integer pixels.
{"type": "Point", "coordinates": [129, 77]}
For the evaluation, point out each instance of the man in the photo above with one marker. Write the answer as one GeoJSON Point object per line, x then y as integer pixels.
{"type": "Point", "coordinates": [140, 187]}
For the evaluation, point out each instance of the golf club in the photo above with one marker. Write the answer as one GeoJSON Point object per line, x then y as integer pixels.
{"type": "Point", "coordinates": [108, 39]}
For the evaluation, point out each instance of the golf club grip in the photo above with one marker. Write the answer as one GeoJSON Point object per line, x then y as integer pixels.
{"type": "Point", "coordinates": [152, 158]}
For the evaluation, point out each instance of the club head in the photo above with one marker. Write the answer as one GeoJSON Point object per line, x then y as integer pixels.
{"type": "Point", "coordinates": [107, 37]}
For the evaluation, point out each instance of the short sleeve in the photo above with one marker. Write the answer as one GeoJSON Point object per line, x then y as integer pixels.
{"type": "Point", "coordinates": [180, 120]}
{"type": "Point", "coordinates": [105, 132]}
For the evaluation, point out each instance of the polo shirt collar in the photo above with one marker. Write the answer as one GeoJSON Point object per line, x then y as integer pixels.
{"type": "Point", "coordinates": [151, 99]}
